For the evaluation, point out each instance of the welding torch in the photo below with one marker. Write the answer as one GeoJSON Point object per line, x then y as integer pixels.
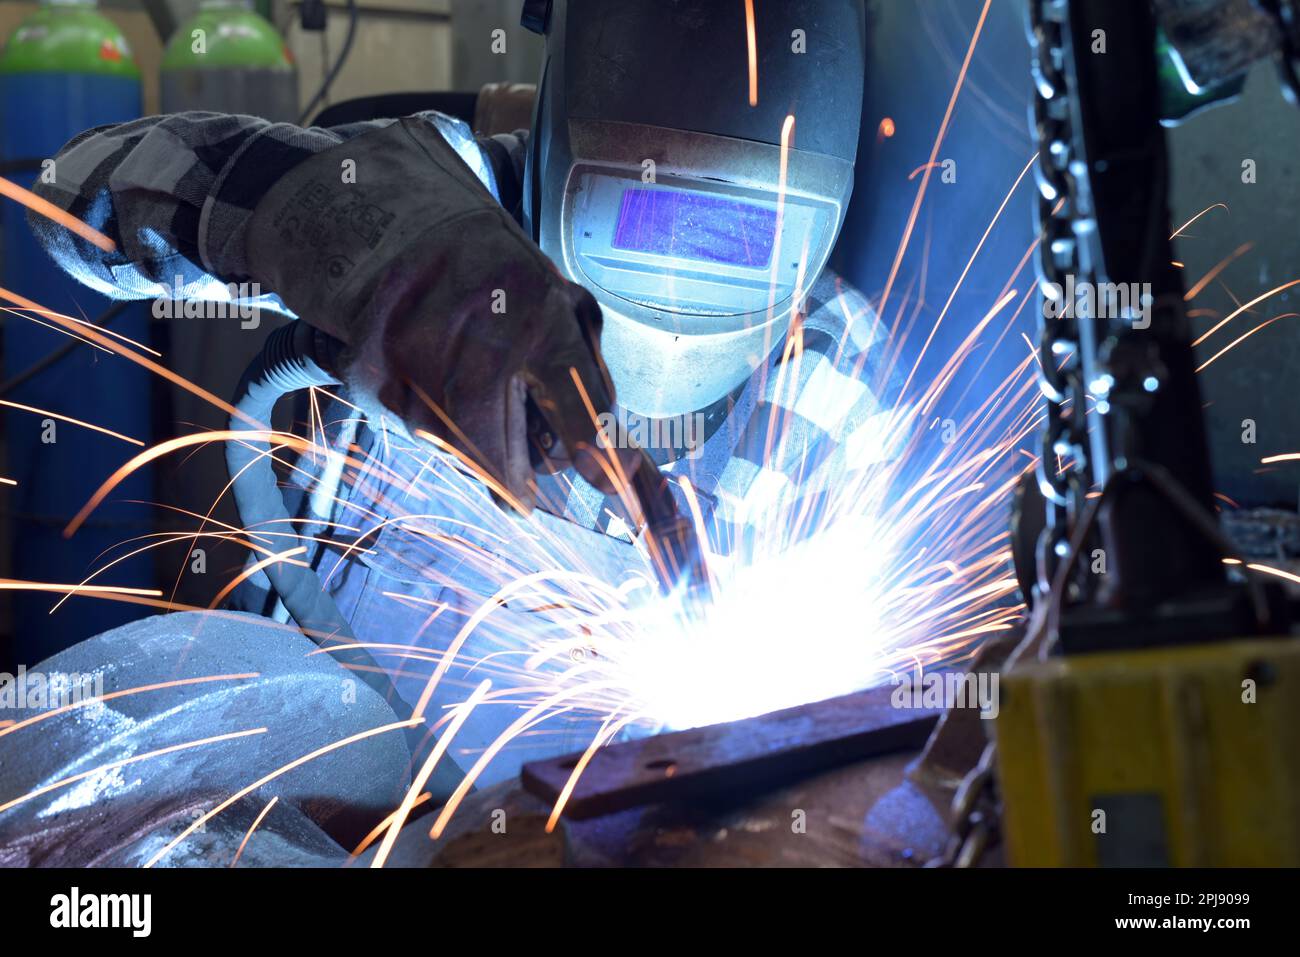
{"type": "Point", "coordinates": [671, 539]}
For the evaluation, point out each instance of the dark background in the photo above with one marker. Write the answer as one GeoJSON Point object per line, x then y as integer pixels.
{"type": "Point", "coordinates": [915, 50]}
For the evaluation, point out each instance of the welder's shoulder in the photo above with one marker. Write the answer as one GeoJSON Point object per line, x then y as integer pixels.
{"type": "Point", "coordinates": [840, 323]}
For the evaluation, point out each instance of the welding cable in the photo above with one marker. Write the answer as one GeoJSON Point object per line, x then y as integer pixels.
{"type": "Point", "coordinates": [286, 364]}
{"type": "Point", "coordinates": [297, 357]}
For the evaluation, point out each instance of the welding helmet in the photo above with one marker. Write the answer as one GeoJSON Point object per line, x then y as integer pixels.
{"type": "Point", "coordinates": [656, 178]}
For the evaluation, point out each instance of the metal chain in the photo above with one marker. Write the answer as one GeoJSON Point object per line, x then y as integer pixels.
{"type": "Point", "coordinates": [974, 815]}
{"type": "Point", "coordinates": [1064, 468]}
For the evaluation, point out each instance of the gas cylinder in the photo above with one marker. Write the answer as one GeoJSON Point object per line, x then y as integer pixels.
{"type": "Point", "coordinates": [65, 69]}
{"type": "Point", "coordinates": [227, 59]}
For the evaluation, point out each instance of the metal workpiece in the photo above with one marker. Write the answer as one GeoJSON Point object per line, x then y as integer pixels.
{"type": "Point", "coordinates": [192, 709]}
{"type": "Point", "coordinates": [861, 814]}
{"type": "Point", "coordinates": [735, 760]}
{"type": "Point", "coordinates": [823, 785]}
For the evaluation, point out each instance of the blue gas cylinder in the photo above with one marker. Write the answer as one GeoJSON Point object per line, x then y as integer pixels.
{"type": "Point", "coordinates": [65, 69]}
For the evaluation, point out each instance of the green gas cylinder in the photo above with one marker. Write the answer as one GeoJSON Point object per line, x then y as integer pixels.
{"type": "Point", "coordinates": [65, 69]}
{"type": "Point", "coordinates": [228, 59]}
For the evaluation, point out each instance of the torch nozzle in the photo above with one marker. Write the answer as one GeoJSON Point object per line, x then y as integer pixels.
{"type": "Point", "coordinates": [671, 537]}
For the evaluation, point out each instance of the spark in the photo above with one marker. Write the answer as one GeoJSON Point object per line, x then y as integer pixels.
{"type": "Point", "coordinates": [1244, 308]}
{"type": "Point", "coordinates": [383, 825]}
{"type": "Point", "coordinates": [825, 602]}
{"type": "Point", "coordinates": [258, 820]}
{"type": "Point", "coordinates": [1179, 231]}
{"type": "Point", "coordinates": [417, 785]}
{"type": "Point", "coordinates": [523, 721]}
{"type": "Point", "coordinates": [47, 209]}
{"type": "Point", "coordinates": [782, 186]}
{"type": "Point", "coordinates": [203, 819]}
{"type": "Point", "coordinates": [934, 155]}
{"type": "Point", "coordinates": [966, 270]}
{"type": "Point", "coordinates": [71, 325]}
{"type": "Point", "coordinates": [1213, 274]}
{"type": "Point", "coordinates": [71, 421]}
{"type": "Point", "coordinates": [783, 172]}
{"type": "Point", "coordinates": [123, 693]}
{"type": "Point", "coordinates": [1242, 338]}
{"type": "Point", "coordinates": [164, 448]}
{"type": "Point", "coordinates": [1276, 572]}
{"type": "Point", "coordinates": [61, 331]}
{"type": "Point", "coordinates": [92, 334]}
{"type": "Point", "coordinates": [10, 584]}
{"type": "Point", "coordinates": [607, 733]}
{"type": "Point", "coordinates": [751, 45]}
{"type": "Point", "coordinates": [256, 567]}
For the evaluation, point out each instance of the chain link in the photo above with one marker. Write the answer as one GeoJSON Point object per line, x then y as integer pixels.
{"type": "Point", "coordinates": [974, 815]}
{"type": "Point", "coordinates": [1064, 468]}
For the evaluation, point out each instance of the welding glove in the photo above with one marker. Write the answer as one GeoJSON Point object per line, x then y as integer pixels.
{"type": "Point", "coordinates": [451, 317]}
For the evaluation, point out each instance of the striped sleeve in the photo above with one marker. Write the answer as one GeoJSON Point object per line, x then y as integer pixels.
{"type": "Point", "coordinates": [820, 417]}
{"type": "Point", "coordinates": [175, 195]}
{"type": "Point", "coordinates": [810, 416]}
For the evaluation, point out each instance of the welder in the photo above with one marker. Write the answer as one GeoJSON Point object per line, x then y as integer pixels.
{"type": "Point", "coordinates": [649, 250]}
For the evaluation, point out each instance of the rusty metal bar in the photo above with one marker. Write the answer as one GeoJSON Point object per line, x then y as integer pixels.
{"type": "Point", "coordinates": [738, 759]}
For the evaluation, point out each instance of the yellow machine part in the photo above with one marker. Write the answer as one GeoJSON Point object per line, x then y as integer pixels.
{"type": "Point", "coordinates": [1183, 756]}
